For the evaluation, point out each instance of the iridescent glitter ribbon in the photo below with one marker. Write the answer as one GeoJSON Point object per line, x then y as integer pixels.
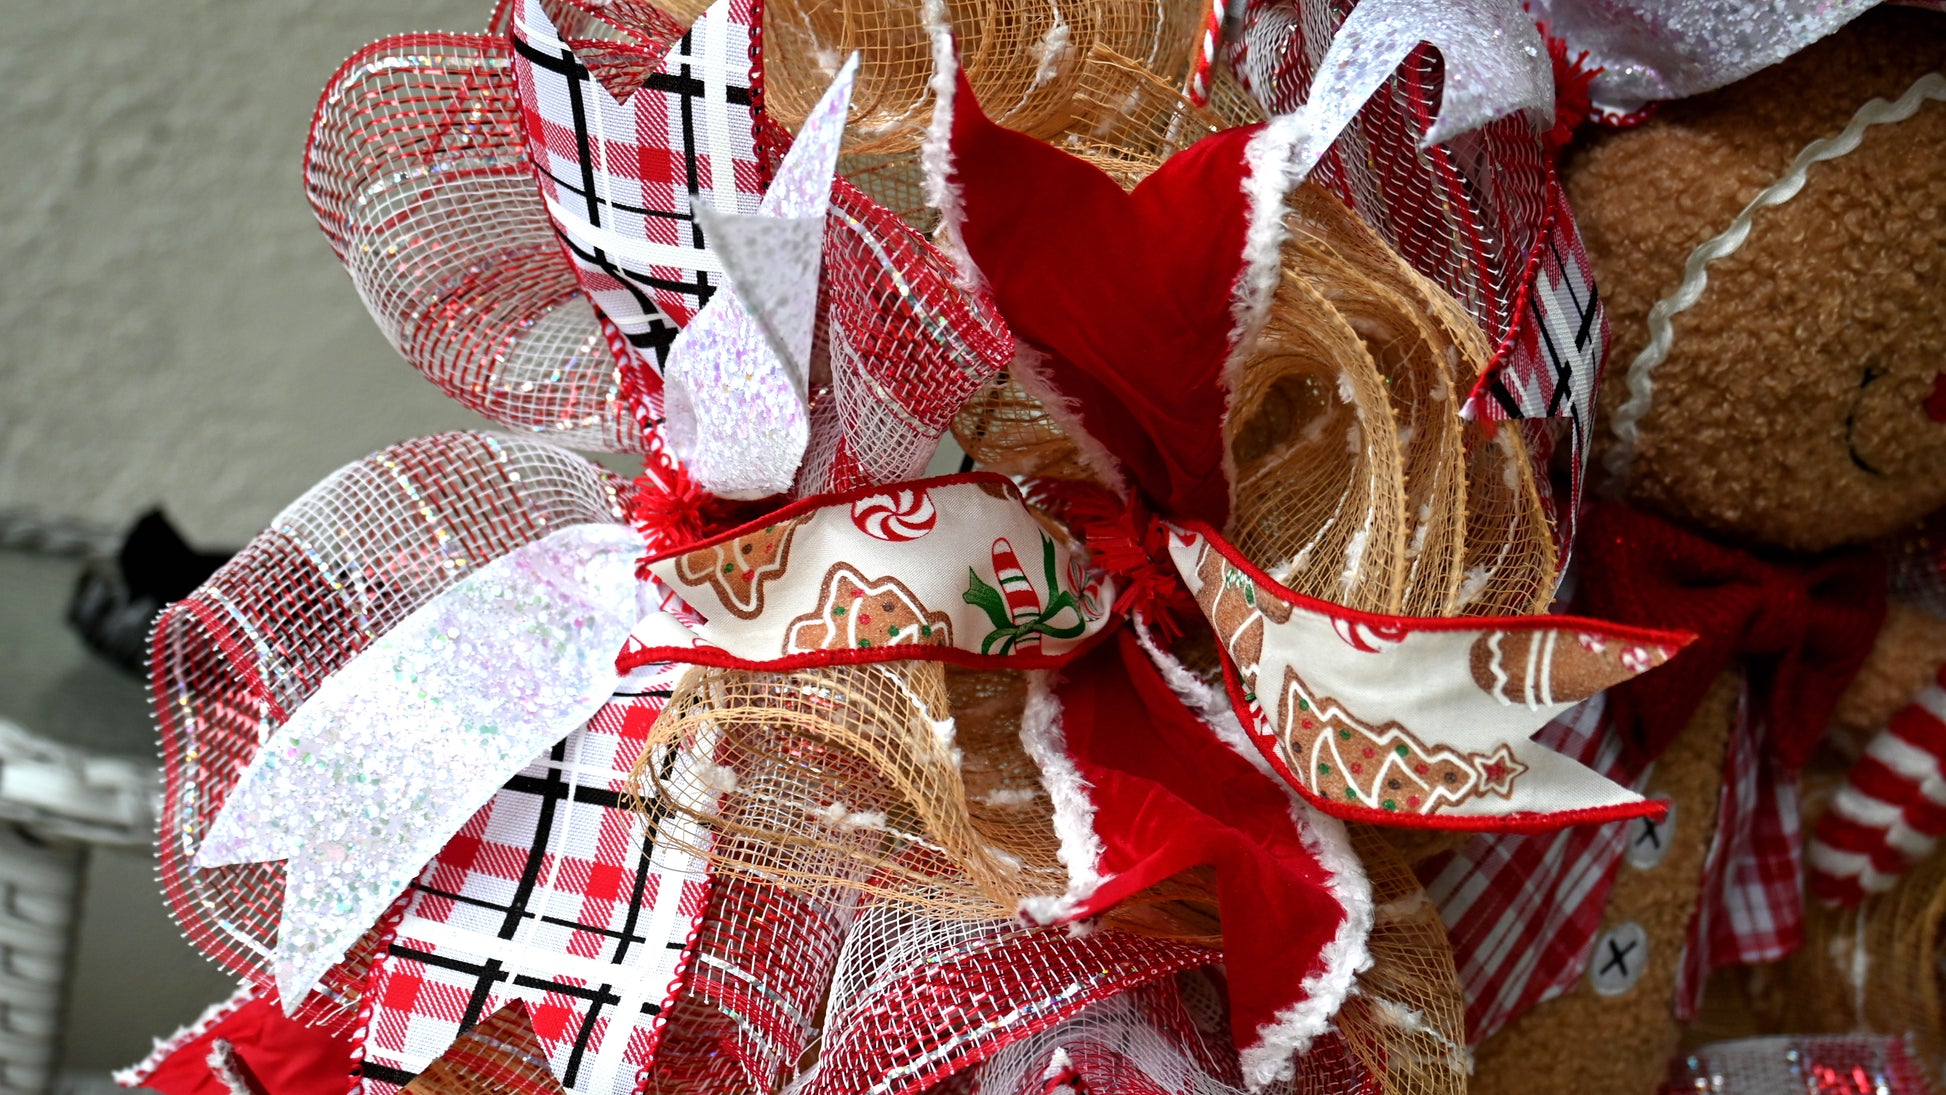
{"type": "Point", "coordinates": [738, 378]}
{"type": "Point", "coordinates": [1668, 49]}
{"type": "Point", "coordinates": [1496, 64]}
{"type": "Point", "coordinates": [394, 752]}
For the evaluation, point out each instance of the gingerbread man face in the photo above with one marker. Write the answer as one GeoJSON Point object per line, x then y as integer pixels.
{"type": "Point", "coordinates": [737, 570]}
{"type": "Point", "coordinates": [1802, 402]}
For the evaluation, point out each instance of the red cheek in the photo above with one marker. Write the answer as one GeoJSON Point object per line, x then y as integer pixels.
{"type": "Point", "coordinates": [1936, 402]}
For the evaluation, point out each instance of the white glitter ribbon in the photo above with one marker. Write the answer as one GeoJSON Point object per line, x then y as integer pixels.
{"type": "Point", "coordinates": [1495, 64]}
{"type": "Point", "coordinates": [394, 752]}
{"type": "Point", "coordinates": [1669, 49]}
{"type": "Point", "coordinates": [737, 385]}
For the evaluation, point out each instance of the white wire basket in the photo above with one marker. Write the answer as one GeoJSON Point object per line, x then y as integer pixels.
{"type": "Point", "coordinates": [55, 802]}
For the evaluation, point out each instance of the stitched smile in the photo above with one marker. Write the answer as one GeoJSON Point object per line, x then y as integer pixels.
{"type": "Point", "coordinates": [1851, 422]}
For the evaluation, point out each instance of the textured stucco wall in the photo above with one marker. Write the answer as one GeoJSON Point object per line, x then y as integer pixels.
{"type": "Point", "coordinates": [175, 329]}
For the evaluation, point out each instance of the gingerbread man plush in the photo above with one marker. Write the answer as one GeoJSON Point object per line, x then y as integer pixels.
{"type": "Point", "coordinates": [1776, 402]}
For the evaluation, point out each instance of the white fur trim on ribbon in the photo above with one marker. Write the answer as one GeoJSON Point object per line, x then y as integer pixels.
{"type": "Point", "coordinates": [1074, 812]}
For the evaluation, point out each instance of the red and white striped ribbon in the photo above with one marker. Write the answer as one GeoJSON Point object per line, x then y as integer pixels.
{"type": "Point", "coordinates": [1891, 811]}
{"type": "Point", "coordinates": [1203, 69]}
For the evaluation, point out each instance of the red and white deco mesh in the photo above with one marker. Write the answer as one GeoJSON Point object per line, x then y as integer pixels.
{"type": "Point", "coordinates": [905, 345]}
{"type": "Point", "coordinates": [418, 174]}
{"type": "Point", "coordinates": [1891, 811]}
{"type": "Point", "coordinates": [915, 1000]}
{"type": "Point", "coordinates": [1169, 1035]}
{"type": "Point", "coordinates": [333, 572]}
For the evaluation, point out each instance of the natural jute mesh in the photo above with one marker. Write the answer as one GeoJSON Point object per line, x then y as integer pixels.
{"type": "Point", "coordinates": [1125, 112]}
{"type": "Point", "coordinates": [1005, 428]}
{"type": "Point", "coordinates": [1317, 496]}
{"type": "Point", "coordinates": [1023, 59]}
{"type": "Point", "coordinates": [1406, 1022]}
{"type": "Point", "coordinates": [1508, 563]}
{"type": "Point", "coordinates": [861, 776]}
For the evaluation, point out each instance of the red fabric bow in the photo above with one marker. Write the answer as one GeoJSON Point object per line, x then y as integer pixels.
{"type": "Point", "coordinates": [1803, 628]}
{"type": "Point", "coordinates": [1171, 798]}
{"type": "Point", "coordinates": [259, 1047]}
{"type": "Point", "coordinates": [1129, 293]}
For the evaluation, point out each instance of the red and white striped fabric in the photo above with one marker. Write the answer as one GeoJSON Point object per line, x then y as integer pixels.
{"type": "Point", "coordinates": [1751, 908]}
{"type": "Point", "coordinates": [1522, 910]}
{"type": "Point", "coordinates": [620, 178]}
{"type": "Point", "coordinates": [553, 895]}
{"type": "Point", "coordinates": [1202, 70]}
{"type": "Point", "coordinates": [1891, 811]}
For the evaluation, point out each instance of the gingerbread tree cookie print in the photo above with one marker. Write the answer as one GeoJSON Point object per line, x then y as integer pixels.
{"type": "Point", "coordinates": [856, 612]}
{"type": "Point", "coordinates": [1341, 758]}
{"type": "Point", "coordinates": [737, 570]}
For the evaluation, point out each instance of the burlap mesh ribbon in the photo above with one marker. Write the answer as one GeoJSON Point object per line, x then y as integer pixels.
{"type": "Point", "coordinates": [1406, 1023]}
{"type": "Point", "coordinates": [1880, 966]}
{"type": "Point", "coordinates": [852, 775]}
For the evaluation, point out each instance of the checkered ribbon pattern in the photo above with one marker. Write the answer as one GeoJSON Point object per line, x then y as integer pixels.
{"type": "Point", "coordinates": [1752, 907]}
{"type": "Point", "coordinates": [553, 895]}
{"type": "Point", "coordinates": [1522, 911]}
{"type": "Point", "coordinates": [619, 177]}
{"type": "Point", "coordinates": [1483, 215]}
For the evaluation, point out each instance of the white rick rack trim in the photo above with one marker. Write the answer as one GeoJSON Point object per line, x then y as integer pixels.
{"type": "Point", "coordinates": [1627, 420]}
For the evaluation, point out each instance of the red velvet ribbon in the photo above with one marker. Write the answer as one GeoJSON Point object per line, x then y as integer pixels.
{"type": "Point", "coordinates": [1802, 627]}
{"type": "Point", "coordinates": [1129, 293]}
{"type": "Point", "coordinates": [1168, 797]}
{"type": "Point", "coordinates": [281, 1056]}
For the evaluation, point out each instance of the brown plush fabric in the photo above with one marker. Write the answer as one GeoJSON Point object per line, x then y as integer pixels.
{"type": "Point", "coordinates": [1789, 411]}
{"type": "Point", "coordinates": [1911, 647]}
{"type": "Point", "coordinates": [1788, 416]}
{"type": "Point", "coordinates": [1590, 1044]}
